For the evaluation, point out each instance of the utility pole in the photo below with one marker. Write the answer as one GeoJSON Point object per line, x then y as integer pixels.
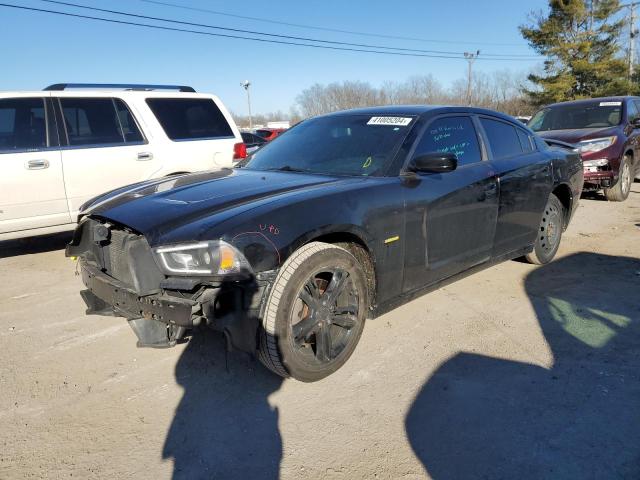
{"type": "Point", "coordinates": [471, 57]}
{"type": "Point", "coordinates": [633, 31]}
{"type": "Point", "coordinates": [246, 84]}
{"type": "Point", "coordinates": [632, 37]}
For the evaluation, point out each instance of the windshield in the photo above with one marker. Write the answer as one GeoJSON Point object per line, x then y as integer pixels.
{"type": "Point", "coordinates": [583, 115]}
{"type": "Point", "coordinates": [336, 145]}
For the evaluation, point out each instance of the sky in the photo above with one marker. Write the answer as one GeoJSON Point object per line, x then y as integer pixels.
{"type": "Point", "coordinates": [39, 49]}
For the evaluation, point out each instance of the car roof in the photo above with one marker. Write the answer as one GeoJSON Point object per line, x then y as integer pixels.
{"type": "Point", "coordinates": [615, 98]}
{"type": "Point", "coordinates": [420, 110]}
{"type": "Point", "coordinates": [104, 92]}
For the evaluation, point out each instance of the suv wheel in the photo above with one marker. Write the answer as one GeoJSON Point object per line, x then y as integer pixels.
{"type": "Point", "coordinates": [550, 233]}
{"type": "Point", "coordinates": [315, 313]}
{"type": "Point", "coordinates": [620, 191]}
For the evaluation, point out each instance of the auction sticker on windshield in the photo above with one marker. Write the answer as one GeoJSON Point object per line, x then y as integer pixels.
{"type": "Point", "coordinates": [393, 121]}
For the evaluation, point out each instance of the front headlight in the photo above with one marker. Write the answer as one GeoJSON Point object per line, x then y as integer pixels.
{"type": "Point", "coordinates": [201, 259]}
{"type": "Point", "coordinates": [595, 144]}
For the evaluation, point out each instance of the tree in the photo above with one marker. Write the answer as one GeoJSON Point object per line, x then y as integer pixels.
{"type": "Point", "coordinates": [580, 40]}
{"type": "Point", "coordinates": [319, 99]}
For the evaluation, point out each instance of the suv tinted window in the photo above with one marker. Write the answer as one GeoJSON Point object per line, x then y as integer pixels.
{"type": "Point", "coordinates": [91, 121]}
{"type": "Point", "coordinates": [190, 118]}
{"type": "Point", "coordinates": [452, 134]}
{"type": "Point", "coordinates": [23, 124]}
{"type": "Point", "coordinates": [503, 138]}
{"type": "Point", "coordinates": [632, 110]}
{"type": "Point", "coordinates": [128, 124]}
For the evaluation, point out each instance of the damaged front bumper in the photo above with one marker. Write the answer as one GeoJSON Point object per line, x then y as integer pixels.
{"type": "Point", "coordinates": [162, 319]}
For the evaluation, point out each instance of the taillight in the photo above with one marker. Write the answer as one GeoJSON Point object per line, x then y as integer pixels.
{"type": "Point", "coordinates": [239, 151]}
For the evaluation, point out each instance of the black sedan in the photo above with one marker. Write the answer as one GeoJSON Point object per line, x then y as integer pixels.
{"type": "Point", "coordinates": [345, 217]}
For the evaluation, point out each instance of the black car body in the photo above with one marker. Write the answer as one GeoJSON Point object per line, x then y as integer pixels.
{"type": "Point", "coordinates": [451, 191]}
{"type": "Point", "coordinates": [607, 133]}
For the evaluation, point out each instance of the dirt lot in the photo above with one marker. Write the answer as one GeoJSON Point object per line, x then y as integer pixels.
{"type": "Point", "coordinates": [516, 372]}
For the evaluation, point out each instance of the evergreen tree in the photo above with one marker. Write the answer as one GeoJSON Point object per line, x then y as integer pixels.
{"type": "Point", "coordinates": [580, 40]}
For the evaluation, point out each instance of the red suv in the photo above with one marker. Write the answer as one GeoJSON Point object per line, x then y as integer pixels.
{"type": "Point", "coordinates": [606, 132]}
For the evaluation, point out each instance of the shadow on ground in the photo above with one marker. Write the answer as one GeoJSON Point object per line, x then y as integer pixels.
{"type": "Point", "coordinates": [25, 246]}
{"type": "Point", "coordinates": [483, 417]}
{"type": "Point", "coordinates": [224, 426]}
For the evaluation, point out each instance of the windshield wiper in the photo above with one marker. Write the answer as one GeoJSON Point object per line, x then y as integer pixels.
{"type": "Point", "coordinates": [286, 168]}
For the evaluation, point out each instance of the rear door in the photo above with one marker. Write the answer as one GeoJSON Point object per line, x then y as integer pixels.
{"type": "Point", "coordinates": [32, 193]}
{"type": "Point", "coordinates": [524, 174]}
{"type": "Point", "coordinates": [105, 148]}
{"type": "Point", "coordinates": [450, 217]}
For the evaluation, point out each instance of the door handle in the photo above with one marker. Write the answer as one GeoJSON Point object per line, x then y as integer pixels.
{"type": "Point", "coordinates": [37, 164]}
{"type": "Point", "coordinates": [144, 156]}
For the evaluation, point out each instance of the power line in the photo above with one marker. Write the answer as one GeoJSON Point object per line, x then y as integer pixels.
{"type": "Point", "coordinates": [273, 35]}
{"type": "Point", "coordinates": [238, 37]}
{"type": "Point", "coordinates": [326, 29]}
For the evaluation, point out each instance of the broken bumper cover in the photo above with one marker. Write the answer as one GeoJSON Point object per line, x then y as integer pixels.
{"type": "Point", "coordinates": [600, 179]}
{"type": "Point", "coordinates": [157, 320]}
{"type": "Point", "coordinates": [161, 320]}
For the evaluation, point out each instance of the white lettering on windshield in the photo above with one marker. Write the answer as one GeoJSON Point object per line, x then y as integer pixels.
{"type": "Point", "coordinates": [392, 121]}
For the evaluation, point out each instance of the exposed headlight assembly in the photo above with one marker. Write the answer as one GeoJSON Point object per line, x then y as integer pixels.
{"type": "Point", "coordinates": [595, 144]}
{"type": "Point", "coordinates": [201, 259]}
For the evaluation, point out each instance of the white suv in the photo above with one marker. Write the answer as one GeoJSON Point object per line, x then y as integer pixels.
{"type": "Point", "coordinates": [64, 145]}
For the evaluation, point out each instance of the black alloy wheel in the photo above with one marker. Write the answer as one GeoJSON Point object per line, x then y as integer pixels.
{"type": "Point", "coordinates": [324, 315]}
{"type": "Point", "coordinates": [315, 313]}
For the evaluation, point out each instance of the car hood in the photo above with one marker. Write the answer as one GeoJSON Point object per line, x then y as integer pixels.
{"type": "Point", "coordinates": [578, 134]}
{"type": "Point", "coordinates": [158, 207]}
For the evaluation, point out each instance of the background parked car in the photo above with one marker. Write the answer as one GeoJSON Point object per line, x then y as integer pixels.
{"type": "Point", "coordinates": [270, 133]}
{"type": "Point", "coordinates": [606, 132]}
{"type": "Point", "coordinates": [252, 141]}
{"type": "Point", "coordinates": [60, 148]}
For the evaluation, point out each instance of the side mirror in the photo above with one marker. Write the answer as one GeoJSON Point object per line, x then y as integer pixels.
{"type": "Point", "coordinates": [635, 122]}
{"type": "Point", "coordinates": [436, 162]}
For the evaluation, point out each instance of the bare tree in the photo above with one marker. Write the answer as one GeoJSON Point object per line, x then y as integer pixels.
{"type": "Point", "coordinates": [501, 90]}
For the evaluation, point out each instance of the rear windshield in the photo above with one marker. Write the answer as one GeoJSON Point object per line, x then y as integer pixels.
{"type": "Point", "coordinates": [336, 145]}
{"type": "Point", "coordinates": [190, 118]}
{"type": "Point", "coordinates": [597, 114]}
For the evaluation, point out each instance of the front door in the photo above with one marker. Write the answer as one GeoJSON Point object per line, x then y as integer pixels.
{"type": "Point", "coordinates": [450, 217]}
{"type": "Point", "coordinates": [32, 192]}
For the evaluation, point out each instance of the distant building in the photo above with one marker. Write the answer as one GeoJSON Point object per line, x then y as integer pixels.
{"type": "Point", "coordinates": [279, 124]}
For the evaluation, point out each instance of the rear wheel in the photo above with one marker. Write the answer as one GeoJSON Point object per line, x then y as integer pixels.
{"type": "Point", "coordinates": [315, 313]}
{"type": "Point", "coordinates": [549, 233]}
{"type": "Point", "coordinates": [620, 191]}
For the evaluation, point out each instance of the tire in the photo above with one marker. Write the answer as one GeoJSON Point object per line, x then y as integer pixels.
{"type": "Point", "coordinates": [549, 234]}
{"type": "Point", "coordinates": [308, 339]}
{"type": "Point", "coordinates": [620, 191]}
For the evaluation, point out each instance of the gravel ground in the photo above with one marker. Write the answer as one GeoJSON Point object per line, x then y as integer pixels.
{"type": "Point", "coordinates": [515, 372]}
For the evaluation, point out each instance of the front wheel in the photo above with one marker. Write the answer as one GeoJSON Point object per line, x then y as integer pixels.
{"type": "Point", "coordinates": [549, 233]}
{"type": "Point", "coordinates": [620, 191]}
{"type": "Point", "coordinates": [315, 313]}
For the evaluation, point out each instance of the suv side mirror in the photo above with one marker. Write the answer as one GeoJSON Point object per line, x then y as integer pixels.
{"type": "Point", "coordinates": [635, 123]}
{"type": "Point", "coordinates": [435, 162]}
